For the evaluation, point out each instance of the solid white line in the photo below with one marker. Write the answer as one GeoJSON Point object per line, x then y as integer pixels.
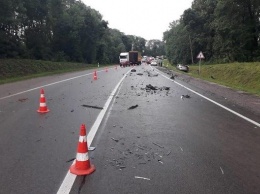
{"type": "Point", "coordinates": [70, 178]}
{"type": "Point", "coordinates": [218, 104]}
{"type": "Point", "coordinates": [43, 86]}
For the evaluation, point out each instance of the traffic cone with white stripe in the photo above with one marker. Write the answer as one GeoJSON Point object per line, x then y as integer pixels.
{"type": "Point", "coordinates": [95, 75]}
{"type": "Point", "coordinates": [82, 165]}
{"type": "Point", "coordinates": [43, 107]}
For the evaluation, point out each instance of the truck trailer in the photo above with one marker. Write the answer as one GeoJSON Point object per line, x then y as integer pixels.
{"type": "Point", "coordinates": [130, 58]}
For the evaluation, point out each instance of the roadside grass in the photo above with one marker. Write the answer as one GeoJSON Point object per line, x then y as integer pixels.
{"type": "Point", "coordinates": [12, 70]}
{"type": "Point", "coordinates": [240, 76]}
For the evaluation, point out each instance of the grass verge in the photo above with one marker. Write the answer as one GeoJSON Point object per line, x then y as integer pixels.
{"type": "Point", "coordinates": [240, 76]}
{"type": "Point", "coordinates": [12, 70]}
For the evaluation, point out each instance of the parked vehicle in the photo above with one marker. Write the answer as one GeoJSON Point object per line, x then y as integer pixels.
{"type": "Point", "coordinates": [181, 67]}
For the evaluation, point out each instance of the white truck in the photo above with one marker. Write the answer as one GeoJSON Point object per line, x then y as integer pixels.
{"type": "Point", "coordinates": [130, 58]}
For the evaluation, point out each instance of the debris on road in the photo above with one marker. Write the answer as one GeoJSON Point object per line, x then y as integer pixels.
{"type": "Point", "coordinates": [70, 160]}
{"type": "Point", "coordinates": [173, 76]}
{"type": "Point", "coordinates": [138, 177]}
{"type": "Point", "coordinates": [91, 148]}
{"type": "Point", "coordinates": [89, 106]}
{"type": "Point", "coordinates": [168, 153]}
{"type": "Point", "coordinates": [133, 70]}
{"type": "Point", "coordinates": [133, 107]}
{"type": "Point", "coordinates": [158, 145]}
{"type": "Point", "coordinates": [22, 99]}
{"type": "Point", "coordinates": [116, 140]}
{"type": "Point", "coordinates": [185, 96]}
{"type": "Point", "coordinates": [150, 87]}
{"type": "Point", "coordinates": [139, 74]}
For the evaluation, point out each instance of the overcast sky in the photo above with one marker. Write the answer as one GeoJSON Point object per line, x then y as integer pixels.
{"type": "Point", "coordinates": [145, 18]}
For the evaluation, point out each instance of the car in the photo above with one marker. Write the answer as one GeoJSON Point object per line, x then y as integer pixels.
{"type": "Point", "coordinates": [154, 63]}
{"type": "Point", "coordinates": [181, 67]}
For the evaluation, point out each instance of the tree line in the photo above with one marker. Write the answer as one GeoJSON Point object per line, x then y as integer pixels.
{"type": "Point", "coordinates": [224, 30]}
{"type": "Point", "coordinates": [64, 30]}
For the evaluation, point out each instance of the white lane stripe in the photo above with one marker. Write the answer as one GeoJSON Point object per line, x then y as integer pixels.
{"type": "Point", "coordinates": [82, 139]}
{"type": "Point", "coordinates": [44, 86]}
{"type": "Point", "coordinates": [82, 157]}
{"type": "Point", "coordinates": [224, 107]}
{"type": "Point", "coordinates": [70, 178]}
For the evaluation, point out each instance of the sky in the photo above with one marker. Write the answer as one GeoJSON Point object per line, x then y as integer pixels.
{"type": "Point", "coordinates": [144, 18]}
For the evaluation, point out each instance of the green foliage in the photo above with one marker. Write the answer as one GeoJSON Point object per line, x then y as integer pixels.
{"type": "Point", "coordinates": [225, 30]}
{"type": "Point", "coordinates": [61, 30]}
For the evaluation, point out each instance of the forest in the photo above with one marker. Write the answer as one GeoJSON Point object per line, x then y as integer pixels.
{"type": "Point", "coordinates": [224, 30]}
{"type": "Point", "coordinates": [68, 30]}
{"type": "Point", "coordinates": [64, 30]}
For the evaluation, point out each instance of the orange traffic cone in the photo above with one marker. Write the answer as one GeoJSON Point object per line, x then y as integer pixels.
{"type": "Point", "coordinates": [95, 75]}
{"type": "Point", "coordinates": [82, 165]}
{"type": "Point", "coordinates": [43, 107]}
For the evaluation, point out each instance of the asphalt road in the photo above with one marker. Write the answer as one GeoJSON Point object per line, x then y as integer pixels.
{"type": "Point", "coordinates": [162, 144]}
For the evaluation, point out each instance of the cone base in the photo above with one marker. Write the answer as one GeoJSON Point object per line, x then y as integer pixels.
{"type": "Point", "coordinates": [43, 111]}
{"type": "Point", "coordinates": [76, 171]}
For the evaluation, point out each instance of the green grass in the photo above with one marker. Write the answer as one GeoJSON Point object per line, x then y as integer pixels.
{"type": "Point", "coordinates": [239, 76]}
{"type": "Point", "coordinates": [12, 70]}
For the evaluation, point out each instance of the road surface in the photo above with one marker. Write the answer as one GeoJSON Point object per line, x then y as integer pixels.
{"type": "Point", "coordinates": [157, 135]}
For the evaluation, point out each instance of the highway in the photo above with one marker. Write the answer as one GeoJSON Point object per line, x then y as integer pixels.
{"type": "Point", "coordinates": [151, 134]}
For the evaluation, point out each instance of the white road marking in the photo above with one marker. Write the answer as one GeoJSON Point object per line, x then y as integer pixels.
{"type": "Point", "coordinates": [36, 88]}
{"type": "Point", "coordinates": [70, 178]}
{"type": "Point", "coordinates": [218, 104]}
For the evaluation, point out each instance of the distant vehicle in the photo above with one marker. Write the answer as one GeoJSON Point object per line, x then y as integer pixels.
{"type": "Point", "coordinates": [154, 63]}
{"type": "Point", "coordinates": [130, 58]}
{"type": "Point", "coordinates": [144, 60]}
{"type": "Point", "coordinates": [181, 67]}
{"type": "Point", "coordinates": [124, 59]}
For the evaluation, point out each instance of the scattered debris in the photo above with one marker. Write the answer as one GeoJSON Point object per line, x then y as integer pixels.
{"type": "Point", "coordinates": [139, 74]}
{"type": "Point", "coordinates": [173, 76]}
{"type": "Point", "coordinates": [181, 149]}
{"type": "Point", "coordinates": [70, 160]}
{"type": "Point", "coordinates": [160, 161]}
{"type": "Point", "coordinates": [150, 87]}
{"type": "Point", "coordinates": [221, 170]}
{"type": "Point", "coordinates": [133, 107]}
{"type": "Point", "coordinates": [158, 145]}
{"type": "Point", "coordinates": [72, 110]}
{"type": "Point", "coordinates": [91, 148]}
{"type": "Point", "coordinates": [23, 99]}
{"type": "Point", "coordinates": [38, 140]}
{"type": "Point", "coordinates": [168, 153]}
{"type": "Point", "coordinates": [133, 70]}
{"type": "Point", "coordinates": [89, 106]}
{"type": "Point", "coordinates": [116, 140]}
{"type": "Point", "coordinates": [138, 177]}
{"type": "Point", "coordinates": [185, 96]}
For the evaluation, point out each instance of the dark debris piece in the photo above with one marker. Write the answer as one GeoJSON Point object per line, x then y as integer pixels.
{"type": "Point", "coordinates": [133, 70]}
{"type": "Point", "coordinates": [89, 106]}
{"type": "Point", "coordinates": [185, 96]}
{"type": "Point", "coordinates": [133, 107]}
{"type": "Point", "coordinates": [150, 87]}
